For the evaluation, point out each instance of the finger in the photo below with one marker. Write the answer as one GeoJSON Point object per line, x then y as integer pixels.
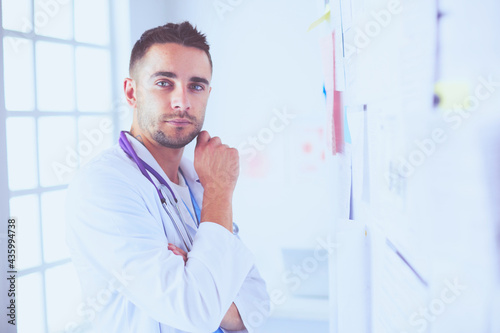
{"type": "Point", "coordinates": [215, 140]}
{"type": "Point", "coordinates": [181, 251]}
{"type": "Point", "coordinates": [235, 153]}
{"type": "Point", "coordinates": [203, 137]}
{"type": "Point", "coordinates": [176, 250]}
{"type": "Point", "coordinates": [177, 253]}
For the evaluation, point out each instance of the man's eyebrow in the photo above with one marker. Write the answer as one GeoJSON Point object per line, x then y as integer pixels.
{"type": "Point", "coordinates": [166, 74]}
{"type": "Point", "coordinates": [199, 80]}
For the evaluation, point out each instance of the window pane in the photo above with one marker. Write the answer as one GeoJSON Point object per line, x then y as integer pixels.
{"type": "Point", "coordinates": [30, 304]}
{"type": "Point", "coordinates": [93, 79]}
{"type": "Point", "coordinates": [25, 209]}
{"type": "Point", "coordinates": [54, 18]}
{"type": "Point", "coordinates": [94, 135]}
{"type": "Point", "coordinates": [21, 153]}
{"type": "Point", "coordinates": [16, 15]}
{"type": "Point", "coordinates": [57, 150]}
{"type": "Point", "coordinates": [63, 297]}
{"type": "Point", "coordinates": [54, 226]}
{"type": "Point", "coordinates": [18, 74]}
{"type": "Point", "coordinates": [55, 78]}
{"type": "Point", "coordinates": [92, 21]}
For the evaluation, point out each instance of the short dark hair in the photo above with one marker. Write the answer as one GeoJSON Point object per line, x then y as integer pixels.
{"type": "Point", "coordinates": [180, 33]}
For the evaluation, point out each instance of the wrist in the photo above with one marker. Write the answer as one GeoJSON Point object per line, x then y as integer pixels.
{"type": "Point", "coordinates": [217, 208]}
{"type": "Point", "coordinates": [219, 193]}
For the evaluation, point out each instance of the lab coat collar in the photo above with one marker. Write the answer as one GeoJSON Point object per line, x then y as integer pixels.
{"type": "Point", "coordinates": [186, 166]}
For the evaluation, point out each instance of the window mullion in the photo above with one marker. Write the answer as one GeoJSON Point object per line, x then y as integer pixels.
{"type": "Point", "coordinates": [4, 192]}
{"type": "Point", "coordinates": [114, 71]}
{"type": "Point", "coordinates": [34, 37]}
{"type": "Point", "coordinates": [39, 197]}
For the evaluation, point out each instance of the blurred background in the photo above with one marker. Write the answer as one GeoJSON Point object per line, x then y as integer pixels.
{"type": "Point", "coordinates": [368, 137]}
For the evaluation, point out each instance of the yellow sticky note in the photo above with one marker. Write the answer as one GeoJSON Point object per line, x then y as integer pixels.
{"type": "Point", "coordinates": [453, 94]}
{"type": "Point", "coordinates": [324, 17]}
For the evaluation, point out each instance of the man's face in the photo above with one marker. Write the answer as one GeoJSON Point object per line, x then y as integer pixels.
{"type": "Point", "coordinates": [172, 89]}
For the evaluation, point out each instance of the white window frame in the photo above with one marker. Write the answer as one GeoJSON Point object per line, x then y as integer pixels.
{"type": "Point", "coordinates": [5, 193]}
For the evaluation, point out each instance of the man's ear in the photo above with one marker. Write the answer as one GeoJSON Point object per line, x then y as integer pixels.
{"type": "Point", "coordinates": [129, 87]}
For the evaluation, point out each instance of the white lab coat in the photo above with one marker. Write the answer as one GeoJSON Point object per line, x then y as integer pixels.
{"type": "Point", "coordinates": [130, 281]}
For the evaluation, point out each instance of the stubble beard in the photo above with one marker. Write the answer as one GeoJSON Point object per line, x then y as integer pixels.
{"type": "Point", "coordinates": [150, 124]}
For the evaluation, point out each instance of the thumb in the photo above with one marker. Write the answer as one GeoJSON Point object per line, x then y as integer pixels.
{"type": "Point", "coordinates": [202, 138]}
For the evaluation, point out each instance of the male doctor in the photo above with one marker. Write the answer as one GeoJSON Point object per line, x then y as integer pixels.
{"type": "Point", "coordinates": [136, 271]}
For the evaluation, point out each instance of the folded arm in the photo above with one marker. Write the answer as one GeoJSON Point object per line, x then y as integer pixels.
{"type": "Point", "coordinates": [232, 319]}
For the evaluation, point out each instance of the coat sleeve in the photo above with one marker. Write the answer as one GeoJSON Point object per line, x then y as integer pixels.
{"type": "Point", "coordinates": [112, 230]}
{"type": "Point", "coordinates": [253, 302]}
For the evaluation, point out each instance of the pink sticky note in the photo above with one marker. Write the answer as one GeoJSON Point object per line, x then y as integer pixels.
{"type": "Point", "coordinates": [334, 105]}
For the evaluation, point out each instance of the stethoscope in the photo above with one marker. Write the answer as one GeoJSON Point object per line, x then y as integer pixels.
{"type": "Point", "coordinates": [172, 199]}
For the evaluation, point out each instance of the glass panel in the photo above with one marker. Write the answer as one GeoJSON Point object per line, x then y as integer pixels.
{"type": "Point", "coordinates": [16, 15]}
{"type": "Point", "coordinates": [63, 298]}
{"type": "Point", "coordinates": [55, 78]}
{"type": "Point", "coordinates": [94, 135]}
{"type": "Point", "coordinates": [54, 18]}
{"type": "Point", "coordinates": [25, 210]}
{"type": "Point", "coordinates": [57, 150]}
{"type": "Point", "coordinates": [92, 21]}
{"type": "Point", "coordinates": [54, 226]}
{"type": "Point", "coordinates": [21, 153]}
{"type": "Point", "coordinates": [18, 74]}
{"type": "Point", "coordinates": [30, 307]}
{"type": "Point", "coordinates": [93, 79]}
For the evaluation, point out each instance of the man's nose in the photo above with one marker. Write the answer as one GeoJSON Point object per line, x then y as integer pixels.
{"type": "Point", "coordinates": [180, 99]}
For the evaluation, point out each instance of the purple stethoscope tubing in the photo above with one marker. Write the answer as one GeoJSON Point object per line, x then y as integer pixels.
{"type": "Point", "coordinates": [144, 168]}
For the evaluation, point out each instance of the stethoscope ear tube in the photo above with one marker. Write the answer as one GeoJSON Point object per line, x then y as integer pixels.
{"type": "Point", "coordinates": [174, 222]}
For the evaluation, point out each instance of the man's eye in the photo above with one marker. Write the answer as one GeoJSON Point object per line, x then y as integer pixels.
{"type": "Point", "coordinates": [197, 87]}
{"type": "Point", "coordinates": [163, 83]}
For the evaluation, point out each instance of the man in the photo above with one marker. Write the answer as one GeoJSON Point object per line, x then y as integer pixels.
{"type": "Point", "coordinates": [138, 272]}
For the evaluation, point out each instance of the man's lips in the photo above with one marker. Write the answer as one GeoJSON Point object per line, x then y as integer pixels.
{"type": "Point", "coordinates": [179, 121]}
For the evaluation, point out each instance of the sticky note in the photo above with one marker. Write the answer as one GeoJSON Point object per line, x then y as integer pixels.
{"type": "Point", "coordinates": [324, 17]}
{"type": "Point", "coordinates": [452, 94]}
